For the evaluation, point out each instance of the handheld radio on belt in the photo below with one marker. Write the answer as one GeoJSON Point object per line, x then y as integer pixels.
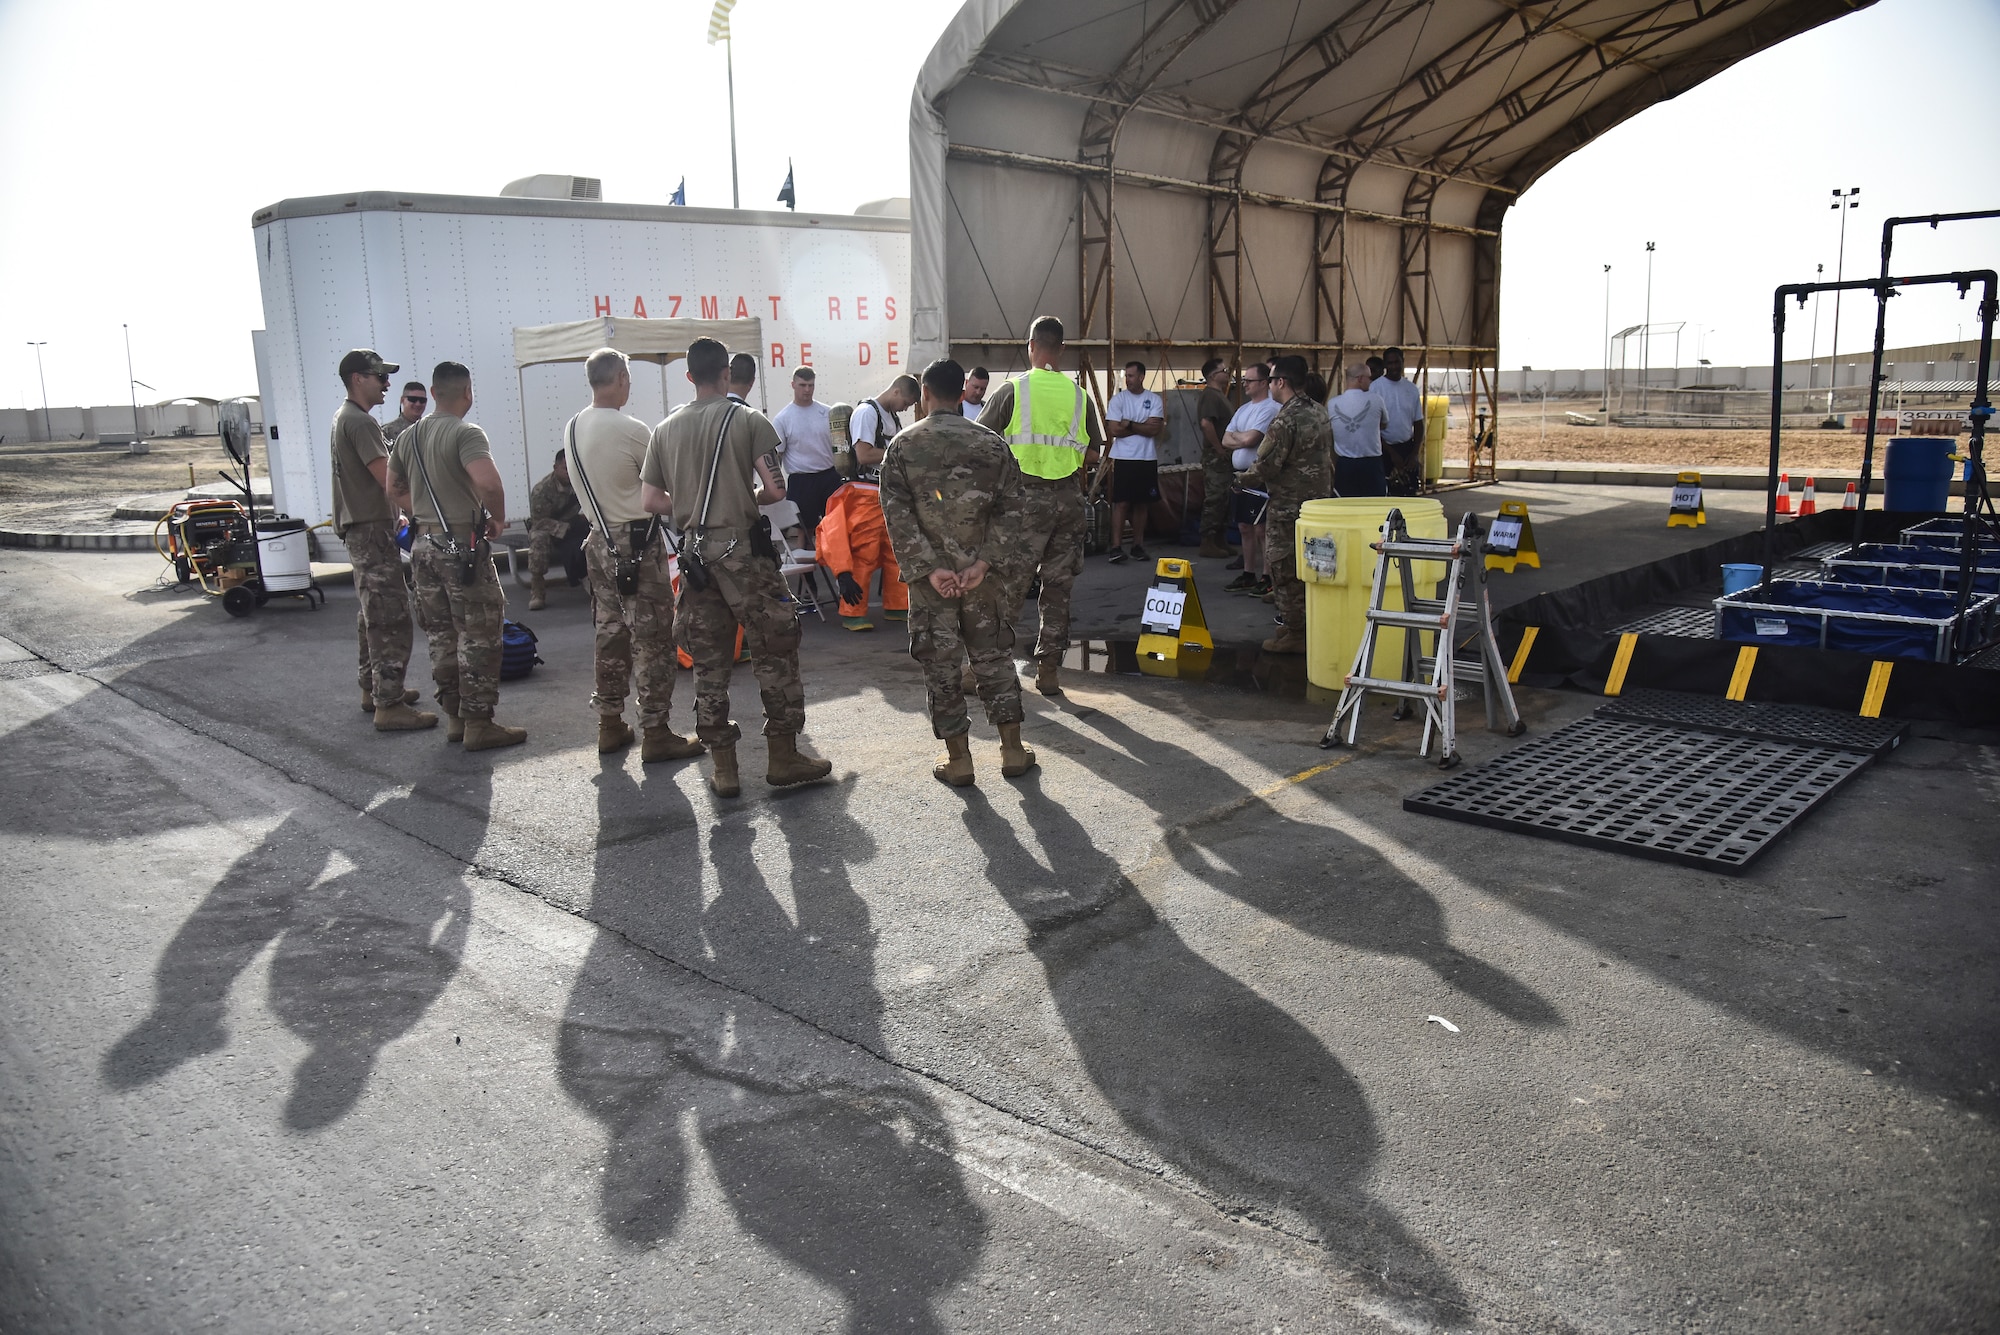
{"type": "Point", "coordinates": [639, 532]}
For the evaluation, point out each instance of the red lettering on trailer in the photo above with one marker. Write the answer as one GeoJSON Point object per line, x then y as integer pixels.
{"type": "Point", "coordinates": [867, 354]}
{"type": "Point", "coordinates": [805, 354]}
{"type": "Point", "coordinates": [774, 306]}
{"type": "Point", "coordinates": [638, 308]}
{"type": "Point", "coordinates": [833, 308]}
{"type": "Point", "coordinates": [602, 306]}
{"type": "Point", "coordinates": [777, 354]}
{"type": "Point", "coordinates": [861, 308]}
{"type": "Point", "coordinates": [711, 308]}
{"type": "Point", "coordinates": [889, 308]}
{"type": "Point", "coordinates": [671, 314]}
{"type": "Point", "coordinates": [742, 309]}
{"type": "Point", "coordinates": [892, 356]}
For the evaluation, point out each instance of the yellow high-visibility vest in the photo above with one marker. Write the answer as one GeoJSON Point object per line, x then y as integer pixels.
{"type": "Point", "coordinates": [1047, 432]}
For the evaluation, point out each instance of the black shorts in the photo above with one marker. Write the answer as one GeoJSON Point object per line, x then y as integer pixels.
{"type": "Point", "coordinates": [1250, 507]}
{"type": "Point", "coordinates": [1135, 481]}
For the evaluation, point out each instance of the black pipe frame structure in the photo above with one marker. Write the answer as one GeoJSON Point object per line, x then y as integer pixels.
{"type": "Point", "coordinates": [1889, 227]}
{"type": "Point", "coordinates": [1978, 502]}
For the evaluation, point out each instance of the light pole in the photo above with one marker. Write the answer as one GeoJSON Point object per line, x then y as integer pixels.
{"type": "Point", "coordinates": [1646, 333]}
{"type": "Point", "coordinates": [1605, 405]}
{"type": "Point", "coordinates": [1812, 355]}
{"type": "Point", "coordinates": [1853, 201]}
{"type": "Point", "coordinates": [47, 430]}
{"type": "Point", "coordinates": [132, 384]}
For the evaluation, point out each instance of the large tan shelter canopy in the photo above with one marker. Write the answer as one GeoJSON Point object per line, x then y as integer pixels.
{"type": "Point", "coordinates": [661, 341]}
{"type": "Point", "coordinates": [1246, 176]}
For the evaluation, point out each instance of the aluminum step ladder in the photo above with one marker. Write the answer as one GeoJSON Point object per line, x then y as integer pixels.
{"type": "Point", "coordinates": [1463, 649]}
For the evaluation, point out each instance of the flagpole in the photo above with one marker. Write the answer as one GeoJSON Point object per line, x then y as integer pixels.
{"type": "Point", "coordinates": [729, 55]}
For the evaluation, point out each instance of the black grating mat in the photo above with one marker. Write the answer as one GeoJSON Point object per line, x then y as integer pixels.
{"type": "Point", "coordinates": [1674, 794]}
{"type": "Point", "coordinates": [1752, 718]}
{"type": "Point", "coordinates": [1692, 622]}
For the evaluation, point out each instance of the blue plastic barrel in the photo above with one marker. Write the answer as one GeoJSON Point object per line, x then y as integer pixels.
{"type": "Point", "coordinates": [1916, 474]}
{"type": "Point", "coordinates": [1736, 578]}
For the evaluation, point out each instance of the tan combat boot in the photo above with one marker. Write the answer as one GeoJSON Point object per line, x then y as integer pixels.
{"type": "Point", "coordinates": [1048, 677]}
{"type": "Point", "coordinates": [722, 780]}
{"type": "Point", "coordinates": [368, 700]}
{"type": "Point", "coordinates": [454, 726]}
{"type": "Point", "coordinates": [1016, 756]}
{"type": "Point", "coordinates": [538, 593]}
{"type": "Point", "coordinates": [1286, 641]}
{"type": "Point", "coordinates": [663, 743]}
{"type": "Point", "coordinates": [787, 766]}
{"type": "Point", "coordinates": [613, 734]}
{"type": "Point", "coordinates": [402, 718]}
{"type": "Point", "coordinates": [955, 765]}
{"type": "Point", "coordinates": [483, 734]}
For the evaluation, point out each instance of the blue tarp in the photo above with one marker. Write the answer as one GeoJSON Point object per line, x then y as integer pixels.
{"type": "Point", "coordinates": [1792, 611]}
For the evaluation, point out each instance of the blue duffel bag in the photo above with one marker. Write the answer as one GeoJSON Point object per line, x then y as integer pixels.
{"type": "Point", "coordinates": [517, 651]}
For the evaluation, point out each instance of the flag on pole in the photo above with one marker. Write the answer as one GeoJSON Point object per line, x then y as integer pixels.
{"type": "Point", "coordinates": [718, 21]}
{"type": "Point", "coordinates": [680, 195]}
{"type": "Point", "coordinates": [786, 196]}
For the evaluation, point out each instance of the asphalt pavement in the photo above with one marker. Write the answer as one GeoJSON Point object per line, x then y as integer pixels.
{"type": "Point", "coordinates": [314, 1029]}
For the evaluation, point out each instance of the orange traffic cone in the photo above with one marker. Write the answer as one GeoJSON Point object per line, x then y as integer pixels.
{"type": "Point", "coordinates": [1851, 501]}
{"type": "Point", "coordinates": [1806, 505]}
{"type": "Point", "coordinates": [1784, 493]}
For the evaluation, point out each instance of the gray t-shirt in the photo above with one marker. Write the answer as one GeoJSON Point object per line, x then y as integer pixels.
{"type": "Point", "coordinates": [357, 497]}
{"type": "Point", "coordinates": [448, 444]}
{"type": "Point", "coordinates": [610, 450]}
{"type": "Point", "coordinates": [1357, 418]}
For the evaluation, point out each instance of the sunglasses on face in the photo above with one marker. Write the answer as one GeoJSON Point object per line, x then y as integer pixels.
{"type": "Point", "coordinates": [382, 376]}
{"type": "Point", "coordinates": [416, 399]}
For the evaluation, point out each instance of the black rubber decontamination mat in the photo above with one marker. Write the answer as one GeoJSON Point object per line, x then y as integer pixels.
{"type": "Point", "coordinates": [1756, 718]}
{"type": "Point", "coordinates": [1674, 794]}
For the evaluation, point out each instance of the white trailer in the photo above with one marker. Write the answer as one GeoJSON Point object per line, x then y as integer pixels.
{"type": "Point", "coordinates": [429, 278]}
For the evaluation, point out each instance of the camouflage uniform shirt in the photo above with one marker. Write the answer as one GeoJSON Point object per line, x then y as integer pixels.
{"type": "Point", "coordinates": [1295, 460]}
{"type": "Point", "coordinates": [950, 488]}
{"type": "Point", "coordinates": [554, 502]}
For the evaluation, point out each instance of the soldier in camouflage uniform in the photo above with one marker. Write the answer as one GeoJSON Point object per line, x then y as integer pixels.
{"type": "Point", "coordinates": [710, 465]}
{"type": "Point", "coordinates": [555, 524]}
{"type": "Point", "coordinates": [441, 472]}
{"type": "Point", "coordinates": [953, 497]}
{"type": "Point", "coordinates": [1295, 464]}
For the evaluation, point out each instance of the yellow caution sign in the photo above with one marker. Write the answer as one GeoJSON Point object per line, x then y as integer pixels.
{"type": "Point", "coordinates": [1685, 510]}
{"type": "Point", "coordinates": [1172, 622]}
{"type": "Point", "coordinates": [1511, 540]}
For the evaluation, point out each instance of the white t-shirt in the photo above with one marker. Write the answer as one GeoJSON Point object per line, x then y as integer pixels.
{"type": "Point", "coordinates": [1402, 405]}
{"type": "Point", "coordinates": [808, 444]}
{"type": "Point", "coordinates": [861, 427]}
{"type": "Point", "coordinates": [1254, 415]}
{"type": "Point", "coordinates": [1357, 417]}
{"type": "Point", "coordinates": [971, 409]}
{"type": "Point", "coordinates": [610, 448]}
{"type": "Point", "coordinates": [1125, 406]}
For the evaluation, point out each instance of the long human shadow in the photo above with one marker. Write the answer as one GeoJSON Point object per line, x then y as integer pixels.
{"type": "Point", "coordinates": [1312, 878]}
{"type": "Point", "coordinates": [1224, 1084]}
{"type": "Point", "coordinates": [362, 949]}
{"type": "Point", "coordinates": [831, 1179]}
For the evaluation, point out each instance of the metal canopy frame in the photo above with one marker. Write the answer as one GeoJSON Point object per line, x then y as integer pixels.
{"type": "Point", "coordinates": [1428, 118]}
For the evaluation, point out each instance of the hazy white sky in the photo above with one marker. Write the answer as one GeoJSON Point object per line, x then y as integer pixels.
{"type": "Point", "coordinates": [137, 139]}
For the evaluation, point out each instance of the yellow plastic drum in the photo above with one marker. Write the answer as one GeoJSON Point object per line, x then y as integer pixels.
{"type": "Point", "coordinates": [1437, 410]}
{"type": "Point", "coordinates": [1338, 567]}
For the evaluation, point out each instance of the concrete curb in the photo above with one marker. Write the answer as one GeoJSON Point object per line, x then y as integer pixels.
{"type": "Point", "coordinates": [135, 541]}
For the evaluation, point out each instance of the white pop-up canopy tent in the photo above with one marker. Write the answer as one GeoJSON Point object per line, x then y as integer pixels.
{"type": "Point", "coordinates": [661, 342]}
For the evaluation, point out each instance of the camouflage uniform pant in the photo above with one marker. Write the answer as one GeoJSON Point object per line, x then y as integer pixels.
{"type": "Point", "coordinates": [635, 632]}
{"type": "Point", "coordinates": [548, 537]}
{"type": "Point", "coordinates": [944, 632]}
{"type": "Point", "coordinates": [1281, 554]}
{"type": "Point", "coordinates": [1049, 540]}
{"type": "Point", "coordinates": [1217, 478]}
{"type": "Point", "coordinates": [383, 624]}
{"type": "Point", "coordinates": [744, 590]}
{"type": "Point", "coordinates": [462, 622]}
